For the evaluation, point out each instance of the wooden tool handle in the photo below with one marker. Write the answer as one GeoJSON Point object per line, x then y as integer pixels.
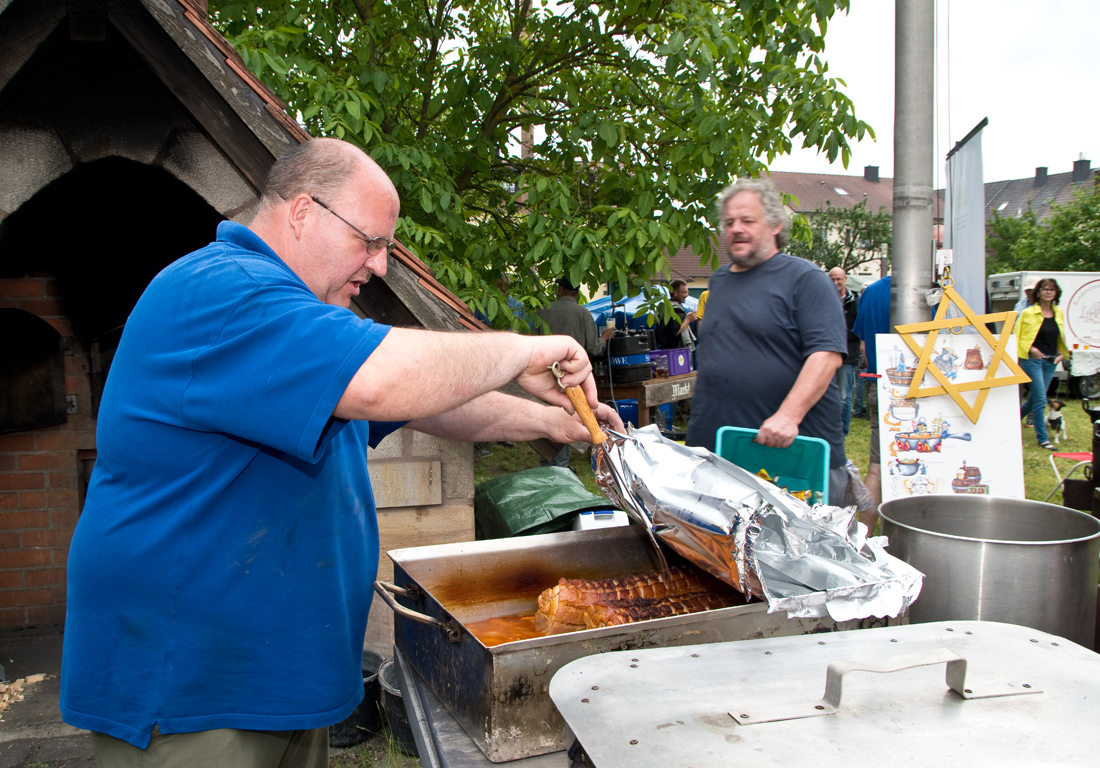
{"type": "Point", "coordinates": [580, 403]}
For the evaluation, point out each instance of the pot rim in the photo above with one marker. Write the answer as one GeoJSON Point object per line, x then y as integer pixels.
{"type": "Point", "coordinates": [1014, 542]}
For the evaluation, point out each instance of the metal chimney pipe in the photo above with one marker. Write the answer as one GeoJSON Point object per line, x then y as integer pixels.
{"type": "Point", "coordinates": [914, 36]}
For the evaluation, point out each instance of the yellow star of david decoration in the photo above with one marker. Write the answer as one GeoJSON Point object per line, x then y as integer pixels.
{"type": "Point", "coordinates": [956, 325]}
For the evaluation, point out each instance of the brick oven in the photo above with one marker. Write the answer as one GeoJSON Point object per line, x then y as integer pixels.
{"type": "Point", "coordinates": [128, 130]}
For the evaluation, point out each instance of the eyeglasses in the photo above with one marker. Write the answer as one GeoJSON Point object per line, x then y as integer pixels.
{"type": "Point", "coordinates": [374, 244]}
{"type": "Point", "coordinates": [1052, 290]}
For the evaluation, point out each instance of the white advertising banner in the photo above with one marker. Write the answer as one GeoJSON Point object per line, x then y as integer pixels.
{"type": "Point", "coordinates": [964, 222]}
{"type": "Point", "coordinates": [928, 445]}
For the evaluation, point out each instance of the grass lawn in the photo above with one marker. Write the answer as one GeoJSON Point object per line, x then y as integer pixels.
{"type": "Point", "coordinates": [1038, 477]}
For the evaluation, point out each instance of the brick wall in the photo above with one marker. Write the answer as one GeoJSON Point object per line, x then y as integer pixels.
{"type": "Point", "coordinates": [42, 472]}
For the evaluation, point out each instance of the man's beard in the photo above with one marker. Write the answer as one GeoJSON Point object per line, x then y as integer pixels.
{"type": "Point", "coordinates": [754, 258]}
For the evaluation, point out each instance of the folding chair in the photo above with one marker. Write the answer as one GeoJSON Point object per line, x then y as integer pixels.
{"type": "Point", "coordinates": [1081, 459]}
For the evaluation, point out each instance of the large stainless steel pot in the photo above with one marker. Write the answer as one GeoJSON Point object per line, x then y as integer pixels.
{"type": "Point", "coordinates": [995, 559]}
{"type": "Point", "coordinates": [499, 695]}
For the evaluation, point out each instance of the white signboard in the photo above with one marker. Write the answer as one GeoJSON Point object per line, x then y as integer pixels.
{"type": "Point", "coordinates": [1083, 313]}
{"type": "Point", "coordinates": [928, 445]}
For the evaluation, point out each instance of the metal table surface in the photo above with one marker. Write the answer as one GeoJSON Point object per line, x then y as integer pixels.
{"type": "Point", "coordinates": [760, 703]}
{"type": "Point", "coordinates": [440, 740]}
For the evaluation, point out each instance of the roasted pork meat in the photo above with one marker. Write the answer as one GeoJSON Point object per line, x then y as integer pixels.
{"type": "Point", "coordinates": [562, 607]}
{"type": "Point", "coordinates": [615, 612]}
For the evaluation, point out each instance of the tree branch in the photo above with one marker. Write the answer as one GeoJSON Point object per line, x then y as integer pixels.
{"type": "Point", "coordinates": [429, 69]}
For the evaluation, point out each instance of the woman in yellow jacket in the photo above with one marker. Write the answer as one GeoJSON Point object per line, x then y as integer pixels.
{"type": "Point", "coordinates": [1041, 340]}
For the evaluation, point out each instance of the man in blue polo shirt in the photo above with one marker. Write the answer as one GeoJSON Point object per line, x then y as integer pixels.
{"type": "Point", "coordinates": [229, 540]}
{"type": "Point", "coordinates": [873, 318]}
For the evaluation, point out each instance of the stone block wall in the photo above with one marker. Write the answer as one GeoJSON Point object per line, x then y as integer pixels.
{"type": "Point", "coordinates": [415, 526]}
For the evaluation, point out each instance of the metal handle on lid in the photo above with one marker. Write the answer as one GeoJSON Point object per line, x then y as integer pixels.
{"type": "Point", "coordinates": [763, 711]}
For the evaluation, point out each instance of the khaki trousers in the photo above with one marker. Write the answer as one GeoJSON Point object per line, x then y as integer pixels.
{"type": "Point", "coordinates": [222, 748]}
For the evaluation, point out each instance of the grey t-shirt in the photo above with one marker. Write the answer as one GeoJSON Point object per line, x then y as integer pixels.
{"type": "Point", "coordinates": [761, 325]}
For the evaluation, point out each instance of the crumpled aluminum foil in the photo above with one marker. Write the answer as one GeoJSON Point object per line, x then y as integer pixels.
{"type": "Point", "coordinates": [807, 561]}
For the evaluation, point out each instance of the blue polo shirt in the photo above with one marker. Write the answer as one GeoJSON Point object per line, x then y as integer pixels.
{"type": "Point", "coordinates": [229, 541]}
{"type": "Point", "coordinates": [873, 318]}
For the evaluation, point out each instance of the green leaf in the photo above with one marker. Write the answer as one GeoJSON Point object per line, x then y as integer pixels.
{"type": "Point", "coordinates": [426, 201]}
{"type": "Point", "coordinates": [555, 262]}
{"type": "Point", "coordinates": [277, 66]}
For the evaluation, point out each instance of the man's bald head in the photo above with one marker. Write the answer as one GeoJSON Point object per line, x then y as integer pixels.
{"type": "Point", "coordinates": [329, 211]}
{"type": "Point", "coordinates": [322, 168]}
{"type": "Point", "coordinates": [839, 278]}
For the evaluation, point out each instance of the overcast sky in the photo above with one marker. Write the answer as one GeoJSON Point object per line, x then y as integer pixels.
{"type": "Point", "coordinates": [1031, 66]}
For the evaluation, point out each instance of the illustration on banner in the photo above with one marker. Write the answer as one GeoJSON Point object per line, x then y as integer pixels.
{"type": "Point", "coordinates": [928, 445]}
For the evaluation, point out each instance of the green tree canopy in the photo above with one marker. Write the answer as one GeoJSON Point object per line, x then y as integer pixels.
{"type": "Point", "coordinates": [845, 237]}
{"type": "Point", "coordinates": [1068, 240]}
{"type": "Point", "coordinates": [1001, 237]}
{"type": "Point", "coordinates": [542, 139]}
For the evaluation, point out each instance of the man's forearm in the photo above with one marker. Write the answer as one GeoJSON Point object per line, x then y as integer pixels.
{"type": "Point", "coordinates": [491, 416]}
{"type": "Point", "coordinates": [497, 416]}
{"type": "Point", "coordinates": [415, 373]}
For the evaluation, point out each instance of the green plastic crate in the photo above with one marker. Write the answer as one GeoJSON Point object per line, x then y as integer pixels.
{"type": "Point", "coordinates": [804, 465]}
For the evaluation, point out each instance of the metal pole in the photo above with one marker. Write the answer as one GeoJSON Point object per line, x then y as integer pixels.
{"type": "Point", "coordinates": [911, 248]}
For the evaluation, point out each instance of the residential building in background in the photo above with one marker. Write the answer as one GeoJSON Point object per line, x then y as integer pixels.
{"type": "Point", "coordinates": [811, 192]}
{"type": "Point", "coordinates": [1011, 198]}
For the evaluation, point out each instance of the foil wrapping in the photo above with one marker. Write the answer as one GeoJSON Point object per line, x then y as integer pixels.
{"type": "Point", "coordinates": [807, 561]}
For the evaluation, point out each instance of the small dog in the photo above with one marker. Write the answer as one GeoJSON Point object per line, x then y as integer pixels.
{"type": "Point", "coordinates": [1056, 422]}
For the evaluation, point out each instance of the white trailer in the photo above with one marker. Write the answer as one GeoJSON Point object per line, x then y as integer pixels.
{"type": "Point", "coordinates": [1081, 304]}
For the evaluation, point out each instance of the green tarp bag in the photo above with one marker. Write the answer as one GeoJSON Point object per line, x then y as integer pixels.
{"type": "Point", "coordinates": [537, 500]}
